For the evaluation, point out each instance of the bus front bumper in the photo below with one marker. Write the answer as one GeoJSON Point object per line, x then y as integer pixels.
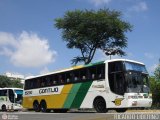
{"type": "Point", "coordinates": [18, 107]}
{"type": "Point", "coordinates": [139, 103]}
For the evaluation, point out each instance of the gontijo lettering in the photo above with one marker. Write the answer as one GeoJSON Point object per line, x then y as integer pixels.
{"type": "Point", "coordinates": [28, 92]}
{"type": "Point", "coordinates": [48, 90]}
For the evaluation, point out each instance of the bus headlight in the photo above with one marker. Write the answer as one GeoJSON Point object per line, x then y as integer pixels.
{"type": "Point", "coordinates": [150, 95]}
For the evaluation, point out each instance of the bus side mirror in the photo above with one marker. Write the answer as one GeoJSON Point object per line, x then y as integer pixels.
{"type": "Point", "coordinates": [15, 95]}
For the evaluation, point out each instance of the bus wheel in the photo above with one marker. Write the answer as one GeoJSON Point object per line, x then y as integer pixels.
{"type": "Point", "coordinates": [100, 105]}
{"type": "Point", "coordinates": [36, 106]}
{"type": "Point", "coordinates": [44, 106]}
{"type": "Point", "coordinates": [4, 108]}
{"type": "Point", "coordinates": [121, 110]}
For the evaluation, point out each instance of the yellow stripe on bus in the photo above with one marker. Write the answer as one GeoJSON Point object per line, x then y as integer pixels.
{"type": "Point", "coordinates": [59, 99]}
{"type": "Point", "coordinates": [77, 67]}
{"type": "Point", "coordinates": [52, 101]}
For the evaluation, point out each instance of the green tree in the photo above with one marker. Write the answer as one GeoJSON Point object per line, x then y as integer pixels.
{"type": "Point", "coordinates": [4, 81]}
{"type": "Point", "coordinates": [155, 87]}
{"type": "Point", "coordinates": [17, 83]}
{"type": "Point", "coordinates": [89, 30]}
{"type": "Point", "coordinates": [157, 73]}
{"type": "Point", "coordinates": [7, 82]}
{"type": "Point", "coordinates": [152, 83]}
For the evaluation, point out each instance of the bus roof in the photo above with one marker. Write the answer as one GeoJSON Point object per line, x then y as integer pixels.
{"type": "Point", "coordinates": [11, 88]}
{"type": "Point", "coordinates": [66, 69]}
{"type": "Point", "coordinates": [82, 66]}
{"type": "Point", "coordinates": [112, 60]}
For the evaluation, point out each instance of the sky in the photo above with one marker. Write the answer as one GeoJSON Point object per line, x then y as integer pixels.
{"type": "Point", "coordinates": [31, 45]}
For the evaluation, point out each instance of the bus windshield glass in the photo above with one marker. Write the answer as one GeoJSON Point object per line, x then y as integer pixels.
{"type": "Point", "coordinates": [19, 96]}
{"type": "Point", "coordinates": [136, 78]}
{"type": "Point", "coordinates": [127, 77]}
{"type": "Point", "coordinates": [3, 92]}
{"type": "Point", "coordinates": [135, 67]}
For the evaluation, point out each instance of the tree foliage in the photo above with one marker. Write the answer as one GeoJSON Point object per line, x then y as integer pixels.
{"type": "Point", "coordinates": [7, 82]}
{"type": "Point", "coordinates": [157, 73]}
{"type": "Point", "coordinates": [155, 87]}
{"type": "Point", "coordinates": [4, 81]}
{"type": "Point", "coordinates": [17, 83]}
{"type": "Point", "coordinates": [89, 30]}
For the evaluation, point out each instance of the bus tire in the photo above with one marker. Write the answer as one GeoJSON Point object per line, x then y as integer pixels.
{"type": "Point", "coordinates": [100, 105]}
{"type": "Point", "coordinates": [44, 106]}
{"type": "Point", "coordinates": [121, 110]}
{"type": "Point", "coordinates": [36, 106]}
{"type": "Point", "coordinates": [4, 108]}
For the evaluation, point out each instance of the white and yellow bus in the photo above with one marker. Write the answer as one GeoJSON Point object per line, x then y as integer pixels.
{"type": "Point", "coordinates": [11, 99]}
{"type": "Point", "coordinates": [112, 84]}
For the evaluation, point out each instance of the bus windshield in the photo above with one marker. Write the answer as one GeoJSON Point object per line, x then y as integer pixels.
{"type": "Point", "coordinates": [19, 96]}
{"type": "Point", "coordinates": [136, 78]}
{"type": "Point", "coordinates": [126, 77]}
{"type": "Point", "coordinates": [137, 82]}
{"type": "Point", "coordinates": [135, 67]}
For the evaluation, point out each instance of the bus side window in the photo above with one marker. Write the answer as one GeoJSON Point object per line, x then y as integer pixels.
{"type": "Point", "coordinates": [55, 82]}
{"type": "Point", "coordinates": [42, 82]}
{"type": "Point", "coordinates": [55, 79]}
{"type": "Point", "coordinates": [101, 71]}
{"type": "Point", "coordinates": [83, 77]}
{"type": "Point", "coordinates": [26, 85]}
{"type": "Point", "coordinates": [75, 78]}
{"type": "Point", "coordinates": [92, 73]}
{"type": "Point", "coordinates": [31, 84]}
{"type": "Point", "coordinates": [83, 73]}
{"type": "Point", "coordinates": [34, 81]}
{"type": "Point", "coordinates": [48, 81]}
{"type": "Point", "coordinates": [68, 77]}
{"type": "Point", "coordinates": [76, 75]}
{"type": "Point", "coordinates": [68, 80]}
{"type": "Point", "coordinates": [62, 78]}
{"type": "Point", "coordinates": [37, 83]}
{"type": "Point", "coordinates": [51, 80]}
{"type": "Point", "coordinates": [93, 76]}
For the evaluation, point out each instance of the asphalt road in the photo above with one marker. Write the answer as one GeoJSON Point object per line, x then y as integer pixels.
{"type": "Point", "coordinates": [55, 116]}
{"type": "Point", "coordinates": [79, 116]}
